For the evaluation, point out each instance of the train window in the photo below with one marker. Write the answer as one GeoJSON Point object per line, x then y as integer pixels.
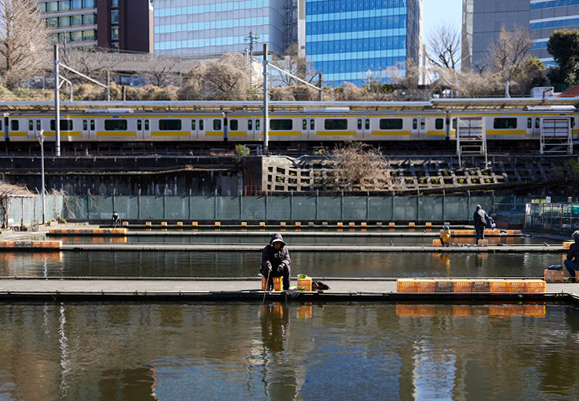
{"type": "Point", "coordinates": [367, 124]}
{"type": "Point", "coordinates": [233, 125]}
{"type": "Point", "coordinates": [169, 125]}
{"type": "Point", "coordinates": [116, 125]}
{"type": "Point", "coordinates": [217, 125]}
{"type": "Point", "coordinates": [257, 125]}
{"type": "Point", "coordinates": [529, 123]}
{"type": "Point", "coordinates": [193, 125]}
{"type": "Point", "coordinates": [422, 123]}
{"type": "Point", "coordinates": [139, 125]}
{"type": "Point", "coordinates": [312, 124]}
{"type": "Point", "coordinates": [30, 125]}
{"type": "Point", "coordinates": [335, 124]}
{"type": "Point", "coordinates": [38, 125]}
{"type": "Point", "coordinates": [201, 125]}
{"type": "Point", "coordinates": [505, 122]}
{"type": "Point", "coordinates": [281, 125]}
{"type": "Point", "coordinates": [84, 125]}
{"type": "Point", "coordinates": [92, 125]}
{"type": "Point", "coordinates": [14, 125]}
{"type": "Point", "coordinates": [439, 123]}
{"type": "Point", "coordinates": [454, 123]}
{"type": "Point", "coordinates": [250, 125]}
{"type": "Point", "coordinates": [65, 125]}
{"type": "Point", "coordinates": [359, 124]}
{"type": "Point", "coordinates": [304, 124]}
{"type": "Point", "coordinates": [414, 123]}
{"type": "Point", "coordinates": [390, 123]}
{"type": "Point", "coordinates": [572, 122]}
{"type": "Point", "coordinates": [0, 124]}
{"type": "Point", "coordinates": [537, 123]}
{"type": "Point", "coordinates": [146, 125]}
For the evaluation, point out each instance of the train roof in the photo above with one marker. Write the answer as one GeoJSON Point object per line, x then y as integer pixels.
{"type": "Point", "coordinates": [296, 106]}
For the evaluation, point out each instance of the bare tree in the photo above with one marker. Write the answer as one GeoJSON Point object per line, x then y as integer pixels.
{"type": "Point", "coordinates": [356, 163]}
{"type": "Point", "coordinates": [225, 77]}
{"type": "Point", "coordinates": [92, 64]}
{"type": "Point", "coordinates": [7, 192]}
{"type": "Point", "coordinates": [23, 40]}
{"type": "Point", "coordinates": [508, 53]}
{"type": "Point", "coordinates": [161, 72]}
{"type": "Point", "coordinates": [444, 48]}
{"type": "Point", "coordinates": [296, 64]}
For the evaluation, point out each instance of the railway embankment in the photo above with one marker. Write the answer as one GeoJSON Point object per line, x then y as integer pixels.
{"type": "Point", "coordinates": [228, 175]}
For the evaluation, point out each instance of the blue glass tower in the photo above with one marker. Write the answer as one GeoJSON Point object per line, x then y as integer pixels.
{"type": "Point", "coordinates": [354, 40]}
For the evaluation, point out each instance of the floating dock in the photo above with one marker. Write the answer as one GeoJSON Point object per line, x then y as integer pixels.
{"type": "Point", "coordinates": [249, 289]}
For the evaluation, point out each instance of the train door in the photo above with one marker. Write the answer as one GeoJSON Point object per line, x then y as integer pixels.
{"type": "Point", "coordinates": [89, 129]}
{"type": "Point", "coordinates": [308, 128]}
{"type": "Point", "coordinates": [363, 128]}
{"type": "Point", "coordinates": [143, 129]}
{"type": "Point", "coordinates": [254, 129]}
{"type": "Point", "coordinates": [533, 129]}
{"type": "Point", "coordinates": [34, 128]}
{"type": "Point", "coordinates": [419, 127]}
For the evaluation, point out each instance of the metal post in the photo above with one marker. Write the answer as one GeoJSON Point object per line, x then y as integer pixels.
{"type": "Point", "coordinates": [342, 206]}
{"type": "Point", "coordinates": [225, 130]}
{"type": "Point", "coordinates": [317, 195]}
{"type": "Point", "coordinates": [321, 86]}
{"type": "Point", "coordinates": [265, 103]}
{"type": "Point", "coordinates": [139, 205]}
{"type": "Point", "coordinates": [56, 102]}
{"type": "Point", "coordinates": [164, 205]}
{"type": "Point", "coordinates": [190, 192]}
{"type": "Point", "coordinates": [367, 205]}
{"type": "Point", "coordinates": [468, 205]}
{"type": "Point", "coordinates": [291, 216]}
{"type": "Point", "coordinates": [108, 86]}
{"type": "Point", "coordinates": [41, 140]}
{"type": "Point", "coordinates": [443, 205]}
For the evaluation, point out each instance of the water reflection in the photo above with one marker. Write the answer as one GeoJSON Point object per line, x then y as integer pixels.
{"type": "Point", "coordinates": [275, 351]}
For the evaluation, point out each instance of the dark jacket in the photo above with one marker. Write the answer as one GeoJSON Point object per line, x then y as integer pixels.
{"type": "Point", "coordinates": [275, 258]}
{"type": "Point", "coordinates": [480, 217]}
{"type": "Point", "coordinates": [573, 253]}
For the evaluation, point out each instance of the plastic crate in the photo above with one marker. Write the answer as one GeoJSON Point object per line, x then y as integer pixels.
{"type": "Point", "coordinates": [567, 244]}
{"type": "Point", "coordinates": [277, 286]}
{"type": "Point", "coordinates": [483, 242]}
{"type": "Point", "coordinates": [425, 285]}
{"type": "Point", "coordinates": [436, 243]}
{"type": "Point", "coordinates": [480, 286]}
{"type": "Point", "coordinates": [498, 286]}
{"type": "Point", "coordinates": [443, 285]}
{"type": "Point", "coordinates": [461, 285]}
{"type": "Point", "coordinates": [536, 286]}
{"type": "Point", "coordinates": [405, 285]}
{"type": "Point", "coordinates": [305, 284]}
{"type": "Point", "coordinates": [517, 285]}
{"type": "Point", "coordinates": [554, 276]}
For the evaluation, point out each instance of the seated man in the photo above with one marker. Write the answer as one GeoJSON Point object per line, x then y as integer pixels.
{"type": "Point", "coordinates": [573, 257]}
{"type": "Point", "coordinates": [275, 262]}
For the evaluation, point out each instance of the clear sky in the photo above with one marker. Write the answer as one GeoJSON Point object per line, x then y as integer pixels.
{"type": "Point", "coordinates": [437, 11]}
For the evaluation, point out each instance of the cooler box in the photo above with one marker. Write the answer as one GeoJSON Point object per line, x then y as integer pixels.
{"type": "Point", "coordinates": [554, 276]}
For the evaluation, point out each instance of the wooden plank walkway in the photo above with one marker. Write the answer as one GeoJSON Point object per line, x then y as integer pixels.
{"type": "Point", "coordinates": [243, 289]}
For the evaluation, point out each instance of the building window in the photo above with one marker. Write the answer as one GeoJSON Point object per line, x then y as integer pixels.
{"type": "Point", "coordinates": [63, 5]}
{"type": "Point", "coordinates": [115, 17]}
{"type": "Point", "coordinates": [75, 4]}
{"type": "Point", "coordinates": [88, 19]}
{"type": "Point", "coordinates": [115, 3]}
{"type": "Point", "coordinates": [51, 6]}
{"type": "Point", "coordinates": [76, 20]}
{"type": "Point", "coordinates": [88, 4]}
{"type": "Point", "coordinates": [52, 22]}
{"type": "Point", "coordinates": [114, 33]}
{"type": "Point", "coordinates": [89, 35]}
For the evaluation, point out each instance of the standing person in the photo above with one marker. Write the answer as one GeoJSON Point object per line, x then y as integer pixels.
{"type": "Point", "coordinates": [480, 218]}
{"type": "Point", "coordinates": [445, 236]}
{"type": "Point", "coordinates": [275, 261]}
{"type": "Point", "coordinates": [573, 257]}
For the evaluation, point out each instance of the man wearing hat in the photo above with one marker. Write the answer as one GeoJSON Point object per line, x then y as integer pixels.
{"type": "Point", "coordinates": [275, 261]}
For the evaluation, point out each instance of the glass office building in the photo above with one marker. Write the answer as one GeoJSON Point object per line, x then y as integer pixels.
{"type": "Point", "coordinates": [214, 27]}
{"type": "Point", "coordinates": [547, 16]}
{"type": "Point", "coordinates": [352, 40]}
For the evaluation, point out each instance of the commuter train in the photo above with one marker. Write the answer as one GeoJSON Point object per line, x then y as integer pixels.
{"type": "Point", "coordinates": [184, 123]}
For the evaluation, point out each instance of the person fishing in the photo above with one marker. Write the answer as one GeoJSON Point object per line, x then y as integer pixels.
{"type": "Point", "coordinates": [445, 236]}
{"type": "Point", "coordinates": [573, 258]}
{"type": "Point", "coordinates": [480, 218]}
{"type": "Point", "coordinates": [275, 262]}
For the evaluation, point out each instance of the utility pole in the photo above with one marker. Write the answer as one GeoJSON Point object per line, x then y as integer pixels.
{"type": "Point", "coordinates": [56, 102]}
{"type": "Point", "coordinates": [265, 102]}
